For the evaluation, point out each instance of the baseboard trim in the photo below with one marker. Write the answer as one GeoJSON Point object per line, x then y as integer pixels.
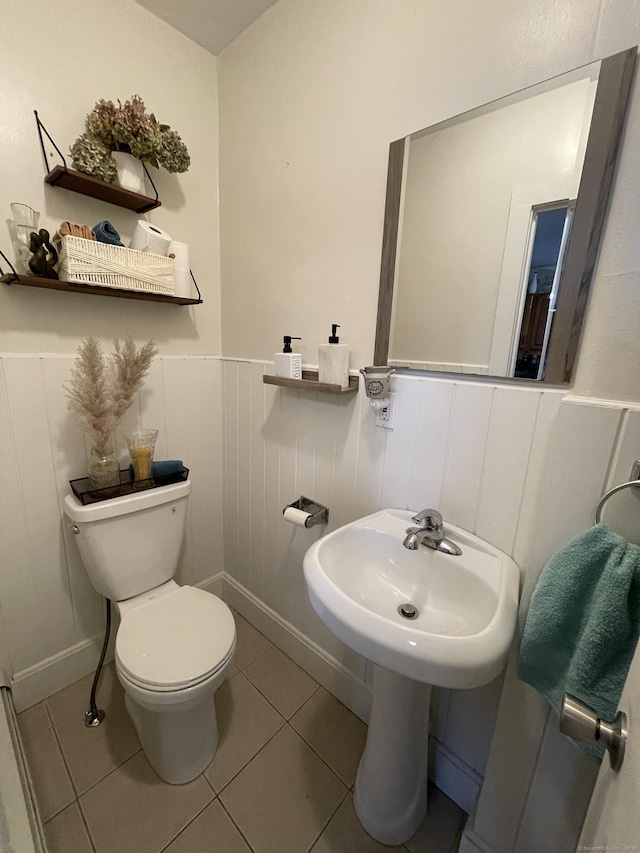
{"type": "Point", "coordinates": [327, 671]}
{"type": "Point", "coordinates": [472, 843]}
{"type": "Point", "coordinates": [59, 671]}
{"type": "Point", "coordinates": [449, 773]}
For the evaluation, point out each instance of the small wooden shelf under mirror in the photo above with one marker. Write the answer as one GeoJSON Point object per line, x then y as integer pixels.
{"type": "Point", "coordinates": [76, 287]}
{"type": "Point", "coordinates": [309, 382]}
{"type": "Point", "coordinates": [78, 182]}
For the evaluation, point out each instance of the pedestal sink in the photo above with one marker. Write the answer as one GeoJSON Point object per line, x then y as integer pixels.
{"type": "Point", "coordinates": [423, 618]}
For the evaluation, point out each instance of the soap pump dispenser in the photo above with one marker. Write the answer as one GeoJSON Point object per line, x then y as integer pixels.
{"type": "Point", "coordinates": [333, 360]}
{"type": "Point", "coordinates": [288, 364]}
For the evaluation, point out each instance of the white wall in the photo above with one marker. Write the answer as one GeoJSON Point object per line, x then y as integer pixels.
{"type": "Point", "coordinates": [60, 60]}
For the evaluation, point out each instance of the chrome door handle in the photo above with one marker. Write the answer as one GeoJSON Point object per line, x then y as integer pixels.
{"type": "Point", "coordinates": [580, 722]}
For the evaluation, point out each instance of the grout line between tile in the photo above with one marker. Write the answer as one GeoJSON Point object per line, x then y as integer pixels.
{"type": "Point", "coordinates": [66, 766]}
{"type": "Point", "coordinates": [208, 782]}
{"type": "Point", "coordinates": [188, 824]}
{"type": "Point", "coordinates": [348, 786]}
{"type": "Point", "coordinates": [226, 785]}
{"type": "Point", "coordinates": [230, 816]}
{"type": "Point", "coordinates": [113, 770]}
{"type": "Point", "coordinates": [275, 707]}
{"type": "Point", "coordinates": [84, 820]}
{"type": "Point", "coordinates": [86, 826]}
{"type": "Point", "coordinates": [331, 817]}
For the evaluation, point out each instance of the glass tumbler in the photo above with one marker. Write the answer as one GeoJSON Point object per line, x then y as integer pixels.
{"type": "Point", "coordinates": [141, 444]}
{"type": "Point", "coordinates": [24, 215]}
{"type": "Point", "coordinates": [25, 220]}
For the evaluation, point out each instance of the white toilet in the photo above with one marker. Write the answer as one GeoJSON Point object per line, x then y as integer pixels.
{"type": "Point", "coordinates": [175, 643]}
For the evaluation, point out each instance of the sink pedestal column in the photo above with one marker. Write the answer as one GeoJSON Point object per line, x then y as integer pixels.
{"type": "Point", "coordinates": [390, 794]}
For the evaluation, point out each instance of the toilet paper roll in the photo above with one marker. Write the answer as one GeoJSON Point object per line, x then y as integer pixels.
{"type": "Point", "coordinates": [150, 238]}
{"type": "Point", "coordinates": [181, 268]}
{"type": "Point", "coordinates": [296, 516]}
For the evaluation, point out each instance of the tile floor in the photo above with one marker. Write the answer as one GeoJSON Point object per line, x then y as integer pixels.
{"type": "Point", "coordinates": [281, 781]}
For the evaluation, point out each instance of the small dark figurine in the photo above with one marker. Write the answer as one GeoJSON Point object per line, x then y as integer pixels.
{"type": "Point", "coordinates": [44, 255]}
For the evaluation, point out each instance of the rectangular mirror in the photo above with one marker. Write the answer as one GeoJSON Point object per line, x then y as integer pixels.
{"type": "Point", "coordinates": [492, 225]}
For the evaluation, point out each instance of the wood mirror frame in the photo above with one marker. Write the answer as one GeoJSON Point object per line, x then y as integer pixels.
{"type": "Point", "coordinates": [605, 135]}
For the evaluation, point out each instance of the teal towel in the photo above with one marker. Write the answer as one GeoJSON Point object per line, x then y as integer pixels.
{"type": "Point", "coordinates": [106, 233]}
{"type": "Point", "coordinates": [583, 623]}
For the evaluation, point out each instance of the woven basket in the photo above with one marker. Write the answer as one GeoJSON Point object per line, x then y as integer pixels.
{"type": "Point", "coordinates": [104, 265]}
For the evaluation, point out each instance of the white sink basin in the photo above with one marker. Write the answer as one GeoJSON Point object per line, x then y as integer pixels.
{"type": "Point", "coordinates": [358, 576]}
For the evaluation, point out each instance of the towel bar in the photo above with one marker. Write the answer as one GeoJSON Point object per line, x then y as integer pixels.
{"type": "Point", "coordinates": [634, 481]}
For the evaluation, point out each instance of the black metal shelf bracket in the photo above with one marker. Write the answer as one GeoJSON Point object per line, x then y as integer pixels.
{"type": "Point", "coordinates": [42, 129]}
{"type": "Point", "coordinates": [13, 269]}
{"type": "Point", "coordinates": [144, 166]}
{"type": "Point", "coordinates": [193, 278]}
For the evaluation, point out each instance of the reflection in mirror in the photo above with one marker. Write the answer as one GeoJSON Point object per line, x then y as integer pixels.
{"type": "Point", "coordinates": [551, 227]}
{"type": "Point", "coordinates": [491, 229]}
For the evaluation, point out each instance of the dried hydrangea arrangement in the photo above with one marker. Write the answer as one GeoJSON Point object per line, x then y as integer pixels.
{"type": "Point", "coordinates": [129, 128]}
{"type": "Point", "coordinates": [92, 157]}
{"type": "Point", "coordinates": [101, 390]}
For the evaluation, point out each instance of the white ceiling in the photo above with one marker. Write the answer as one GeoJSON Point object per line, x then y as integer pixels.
{"type": "Point", "coordinates": [213, 24]}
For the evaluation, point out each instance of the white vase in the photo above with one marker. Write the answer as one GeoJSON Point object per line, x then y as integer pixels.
{"type": "Point", "coordinates": [130, 172]}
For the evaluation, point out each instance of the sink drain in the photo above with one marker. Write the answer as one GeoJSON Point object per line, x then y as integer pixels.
{"type": "Point", "coordinates": [408, 611]}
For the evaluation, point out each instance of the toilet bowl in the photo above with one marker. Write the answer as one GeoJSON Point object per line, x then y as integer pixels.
{"type": "Point", "coordinates": [175, 643]}
{"type": "Point", "coordinates": [173, 651]}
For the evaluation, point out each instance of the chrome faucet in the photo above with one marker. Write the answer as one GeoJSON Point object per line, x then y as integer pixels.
{"type": "Point", "coordinates": [430, 532]}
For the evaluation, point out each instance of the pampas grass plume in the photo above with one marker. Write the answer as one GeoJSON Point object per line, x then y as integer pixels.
{"type": "Point", "coordinates": [101, 391]}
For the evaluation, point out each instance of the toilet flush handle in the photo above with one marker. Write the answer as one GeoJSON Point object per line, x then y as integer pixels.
{"type": "Point", "coordinates": [75, 529]}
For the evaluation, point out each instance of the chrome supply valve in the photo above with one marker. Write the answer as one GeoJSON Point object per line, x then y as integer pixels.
{"type": "Point", "coordinates": [580, 722]}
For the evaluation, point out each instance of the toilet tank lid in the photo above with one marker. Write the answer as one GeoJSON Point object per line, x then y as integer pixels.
{"type": "Point", "coordinates": [127, 503]}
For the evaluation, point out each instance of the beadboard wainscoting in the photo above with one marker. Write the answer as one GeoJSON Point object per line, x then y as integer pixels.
{"type": "Point", "coordinates": [52, 616]}
{"type": "Point", "coordinates": [536, 780]}
{"type": "Point", "coordinates": [520, 466]}
{"type": "Point", "coordinates": [474, 450]}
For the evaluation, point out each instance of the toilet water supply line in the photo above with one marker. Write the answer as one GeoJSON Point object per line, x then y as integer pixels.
{"type": "Point", "coordinates": [93, 717]}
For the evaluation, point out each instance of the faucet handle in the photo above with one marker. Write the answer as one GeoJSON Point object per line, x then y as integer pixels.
{"type": "Point", "coordinates": [430, 519]}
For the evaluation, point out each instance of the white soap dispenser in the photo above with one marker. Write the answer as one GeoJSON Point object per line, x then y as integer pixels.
{"type": "Point", "coordinates": [333, 360]}
{"type": "Point", "coordinates": [288, 364]}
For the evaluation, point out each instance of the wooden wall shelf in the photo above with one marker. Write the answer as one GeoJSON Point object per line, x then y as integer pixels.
{"type": "Point", "coordinates": [75, 287]}
{"type": "Point", "coordinates": [77, 182]}
{"type": "Point", "coordinates": [309, 382]}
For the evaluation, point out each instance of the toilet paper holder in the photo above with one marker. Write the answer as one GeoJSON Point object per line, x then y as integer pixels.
{"type": "Point", "coordinates": [318, 514]}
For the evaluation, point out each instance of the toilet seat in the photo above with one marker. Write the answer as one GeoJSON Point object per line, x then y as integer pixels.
{"type": "Point", "coordinates": [175, 641]}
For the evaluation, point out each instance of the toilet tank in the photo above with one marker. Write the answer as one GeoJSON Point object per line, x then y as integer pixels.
{"type": "Point", "coordinates": [131, 544]}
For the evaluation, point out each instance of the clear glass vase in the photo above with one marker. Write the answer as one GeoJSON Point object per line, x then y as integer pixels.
{"type": "Point", "coordinates": [103, 468]}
